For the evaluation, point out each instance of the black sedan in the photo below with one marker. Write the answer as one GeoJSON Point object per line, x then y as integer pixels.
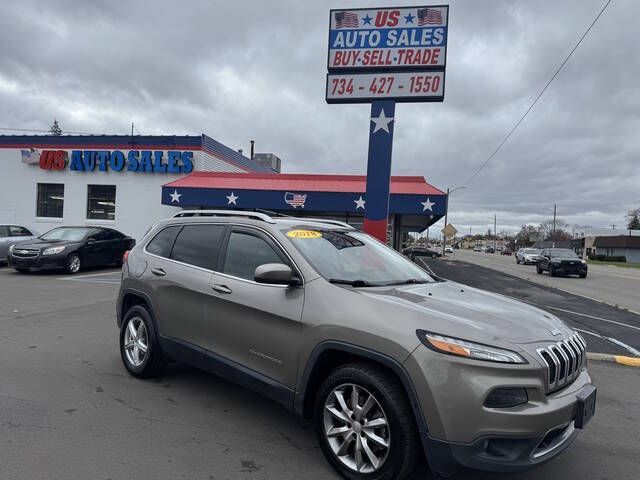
{"type": "Point", "coordinates": [419, 251]}
{"type": "Point", "coordinates": [561, 261]}
{"type": "Point", "coordinates": [71, 248]}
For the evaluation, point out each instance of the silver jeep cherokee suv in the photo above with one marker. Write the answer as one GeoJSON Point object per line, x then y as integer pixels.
{"type": "Point", "coordinates": [390, 362]}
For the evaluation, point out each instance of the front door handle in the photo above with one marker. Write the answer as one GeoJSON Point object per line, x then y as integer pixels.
{"type": "Point", "coordinates": [158, 271]}
{"type": "Point", "coordinates": [221, 288]}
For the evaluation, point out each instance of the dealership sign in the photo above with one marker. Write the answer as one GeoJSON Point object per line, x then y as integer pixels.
{"type": "Point", "coordinates": [142, 161]}
{"type": "Point", "coordinates": [383, 56]}
{"type": "Point", "coordinates": [393, 41]}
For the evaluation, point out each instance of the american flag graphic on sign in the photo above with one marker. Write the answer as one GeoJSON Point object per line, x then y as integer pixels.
{"type": "Point", "coordinates": [30, 156]}
{"type": "Point", "coordinates": [295, 199]}
{"type": "Point", "coordinates": [429, 16]}
{"type": "Point", "coordinates": [346, 20]}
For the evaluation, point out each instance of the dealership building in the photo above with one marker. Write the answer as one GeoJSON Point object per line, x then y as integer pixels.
{"type": "Point", "coordinates": [130, 182]}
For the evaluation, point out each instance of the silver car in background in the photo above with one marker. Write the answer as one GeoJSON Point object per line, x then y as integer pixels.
{"type": "Point", "coordinates": [10, 235]}
{"type": "Point", "coordinates": [527, 256]}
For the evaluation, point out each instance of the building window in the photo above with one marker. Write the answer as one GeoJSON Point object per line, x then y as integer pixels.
{"type": "Point", "coordinates": [50, 200]}
{"type": "Point", "coordinates": [101, 202]}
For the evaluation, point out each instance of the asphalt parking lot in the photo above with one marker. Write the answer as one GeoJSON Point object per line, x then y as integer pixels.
{"type": "Point", "coordinates": [616, 286]}
{"type": "Point", "coordinates": [606, 329]}
{"type": "Point", "coordinates": [69, 410]}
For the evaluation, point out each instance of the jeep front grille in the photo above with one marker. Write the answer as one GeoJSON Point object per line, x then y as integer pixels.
{"type": "Point", "coordinates": [563, 361]}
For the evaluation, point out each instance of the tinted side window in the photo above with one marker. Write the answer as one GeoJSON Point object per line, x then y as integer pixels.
{"type": "Point", "coordinates": [247, 252]}
{"type": "Point", "coordinates": [110, 234]}
{"type": "Point", "coordinates": [4, 231]}
{"type": "Point", "coordinates": [163, 241]}
{"type": "Point", "coordinates": [198, 245]}
{"type": "Point", "coordinates": [15, 231]}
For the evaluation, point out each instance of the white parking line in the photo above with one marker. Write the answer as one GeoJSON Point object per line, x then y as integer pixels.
{"type": "Point", "coordinates": [75, 277]}
{"type": "Point", "coordinates": [92, 281]}
{"type": "Point", "coordinates": [628, 348]}
{"type": "Point", "coordinates": [590, 316]}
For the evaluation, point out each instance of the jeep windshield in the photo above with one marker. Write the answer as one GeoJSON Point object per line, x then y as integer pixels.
{"type": "Point", "coordinates": [354, 258]}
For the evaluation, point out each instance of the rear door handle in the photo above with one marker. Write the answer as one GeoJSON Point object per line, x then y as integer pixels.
{"type": "Point", "coordinates": [221, 288]}
{"type": "Point", "coordinates": [158, 271]}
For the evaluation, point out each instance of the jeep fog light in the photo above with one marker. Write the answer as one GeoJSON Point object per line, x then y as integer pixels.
{"type": "Point", "coordinates": [506, 397]}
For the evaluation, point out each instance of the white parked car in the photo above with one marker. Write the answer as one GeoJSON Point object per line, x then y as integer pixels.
{"type": "Point", "coordinates": [527, 255]}
{"type": "Point", "coordinates": [10, 235]}
{"type": "Point", "coordinates": [448, 249]}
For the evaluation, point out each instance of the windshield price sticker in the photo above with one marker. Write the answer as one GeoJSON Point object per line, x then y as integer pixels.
{"type": "Point", "coordinates": [403, 86]}
{"type": "Point", "coordinates": [304, 234]}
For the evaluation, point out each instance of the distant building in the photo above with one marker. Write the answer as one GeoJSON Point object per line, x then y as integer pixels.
{"type": "Point", "coordinates": [584, 243]}
{"type": "Point", "coordinates": [621, 246]}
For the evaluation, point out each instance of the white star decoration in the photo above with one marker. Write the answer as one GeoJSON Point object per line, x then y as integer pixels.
{"type": "Point", "coordinates": [175, 196]}
{"type": "Point", "coordinates": [232, 199]}
{"type": "Point", "coordinates": [360, 203]}
{"type": "Point", "coordinates": [382, 122]}
{"type": "Point", "coordinates": [427, 205]}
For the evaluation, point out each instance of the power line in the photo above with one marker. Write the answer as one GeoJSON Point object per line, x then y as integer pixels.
{"type": "Point", "coordinates": [504, 140]}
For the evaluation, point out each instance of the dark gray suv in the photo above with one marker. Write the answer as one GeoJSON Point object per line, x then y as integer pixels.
{"type": "Point", "coordinates": [392, 364]}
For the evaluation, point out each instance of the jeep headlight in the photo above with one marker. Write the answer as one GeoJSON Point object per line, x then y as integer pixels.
{"type": "Point", "coordinates": [53, 250]}
{"type": "Point", "coordinates": [464, 348]}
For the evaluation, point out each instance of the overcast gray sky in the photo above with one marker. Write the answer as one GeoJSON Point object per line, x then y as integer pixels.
{"type": "Point", "coordinates": [256, 70]}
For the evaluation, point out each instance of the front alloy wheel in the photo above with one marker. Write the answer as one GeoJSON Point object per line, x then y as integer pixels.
{"type": "Point", "coordinates": [73, 263]}
{"type": "Point", "coordinates": [356, 428]}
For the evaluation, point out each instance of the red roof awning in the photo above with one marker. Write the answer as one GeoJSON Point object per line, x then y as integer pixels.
{"type": "Point", "coordinates": [411, 185]}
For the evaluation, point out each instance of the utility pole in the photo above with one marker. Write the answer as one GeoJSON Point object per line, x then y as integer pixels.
{"type": "Point", "coordinates": [446, 212]}
{"type": "Point", "coordinates": [495, 231]}
{"type": "Point", "coordinates": [253, 142]}
{"type": "Point", "coordinates": [132, 129]}
{"type": "Point", "coordinates": [553, 234]}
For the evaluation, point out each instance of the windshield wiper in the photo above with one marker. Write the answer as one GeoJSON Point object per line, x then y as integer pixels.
{"type": "Point", "coordinates": [353, 283]}
{"type": "Point", "coordinates": [408, 281]}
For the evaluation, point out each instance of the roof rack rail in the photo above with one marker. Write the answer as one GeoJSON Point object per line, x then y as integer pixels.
{"type": "Point", "coordinates": [337, 223]}
{"type": "Point", "coordinates": [224, 213]}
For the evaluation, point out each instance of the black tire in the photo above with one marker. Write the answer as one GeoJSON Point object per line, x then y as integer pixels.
{"type": "Point", "coordinates": [22, 270]}
{"type": "Point", "coordinates": [517, 260]}
{"type": "Point", "coordinates": [552, 272]}
{"type": "Point", "coordinates": [539, 269]}
{"type": "Point", "coordinates": [154, 362]}
{"type": "Point", "coordinates": [73, 264]}
{"type": "Point", "coordinates": [583, 275]}
{"type": "Point", "coordinates": [404, 445]}
{"type": "Point", "coordinates": [413, 257]}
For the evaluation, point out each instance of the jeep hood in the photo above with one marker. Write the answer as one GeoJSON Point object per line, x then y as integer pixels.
{"type": "Point", "coordinates": [457, 310]}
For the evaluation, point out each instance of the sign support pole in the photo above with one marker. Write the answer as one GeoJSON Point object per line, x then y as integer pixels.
{"type": "Point", "coordinates": [379, 168]}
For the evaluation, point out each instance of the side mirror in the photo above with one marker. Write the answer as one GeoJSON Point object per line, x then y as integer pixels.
{"type": "Point", "coordinates": [276, 274]}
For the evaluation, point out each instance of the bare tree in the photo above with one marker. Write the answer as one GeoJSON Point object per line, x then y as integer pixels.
{"type": "Point", "coordinates": [633, 219]}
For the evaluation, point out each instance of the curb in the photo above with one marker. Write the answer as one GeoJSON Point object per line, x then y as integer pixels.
{"type": "Point", "coordinates": [620, 359]}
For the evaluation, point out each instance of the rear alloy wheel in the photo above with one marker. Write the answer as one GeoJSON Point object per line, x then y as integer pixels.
{"type": "Point", "coordinates": [365, 425]}
{"type": "Point", "coordinates": [73, 263]}
{"type": "Point", "coordinates": [139, 347]}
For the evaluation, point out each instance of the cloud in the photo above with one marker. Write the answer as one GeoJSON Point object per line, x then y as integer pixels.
{"type": "Point", "coordinates": [256, 70]}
